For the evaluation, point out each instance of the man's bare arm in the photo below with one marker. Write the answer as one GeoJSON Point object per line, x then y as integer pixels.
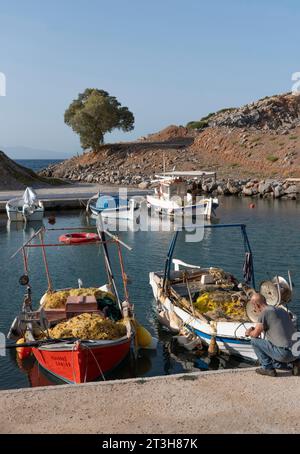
{"type": "Point", "coordinates": [255, 332]}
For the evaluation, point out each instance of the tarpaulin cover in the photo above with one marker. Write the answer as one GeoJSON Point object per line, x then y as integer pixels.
{"type": "Point", "coordinates": [29, 196]}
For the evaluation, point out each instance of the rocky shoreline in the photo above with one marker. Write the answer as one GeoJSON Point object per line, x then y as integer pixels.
{"type": "Point", "coordinates": [255, 151]}
{"type": "Point", "coordinates": [266, 188]}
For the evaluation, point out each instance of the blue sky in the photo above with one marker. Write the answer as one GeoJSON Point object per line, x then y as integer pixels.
{"type": "Point", "coordinates": [168, 61]}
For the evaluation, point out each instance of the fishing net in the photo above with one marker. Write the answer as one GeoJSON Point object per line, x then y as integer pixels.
{"type": "Point", "coordinates": [221, 304]}
{"type": "Point", "coordinates": [89, 326]}
{"type": "Point", "coordinates": [223, 279]}
{"type": "Point", "coordinates": [57, 300]}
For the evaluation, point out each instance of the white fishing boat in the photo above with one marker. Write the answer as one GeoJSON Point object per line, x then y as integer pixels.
{"type": "Point", "coordinates": [174, 196]}
{"type": "Point", "coordinates": [178, 291]}
{"type": "Point", "coordinates": [26, 208]}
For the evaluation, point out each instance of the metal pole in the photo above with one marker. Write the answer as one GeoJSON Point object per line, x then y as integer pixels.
{"type": "Point", "coordinates": [45, 261]}
{"type": "Point", "coordinates": [27, 242]}
{"type": "Point", "coordinates": [101, 234]}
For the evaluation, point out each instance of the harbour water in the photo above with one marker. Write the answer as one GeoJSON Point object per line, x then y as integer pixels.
{"type": "Point", "coordinates": [37, 164]}
{"type": "Point", "coordinates": [273, 229]}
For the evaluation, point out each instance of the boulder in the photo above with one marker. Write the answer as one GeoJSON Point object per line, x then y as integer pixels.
{"type": "Point", "coordinates": [247, 191]}
{"type": "Point", "coordinates": [292, 189]}
{"type": "Point", "coordinates": [278, 191]}
{"type": "Point", "coordinates": [221, 189]}
{"type": "Point", "coordinates": [233, 187]}
{"type": "Point", "coordinates": [264, 187]}
{"type": "Point", "coordinates": [144, 185]}
{"type": "Point", "coordinates": [90, 178]}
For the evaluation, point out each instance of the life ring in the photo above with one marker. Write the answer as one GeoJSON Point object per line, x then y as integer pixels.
{"type": "Point", "coordinates": [76, 238]}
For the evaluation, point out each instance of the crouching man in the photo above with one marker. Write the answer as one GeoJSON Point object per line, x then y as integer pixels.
{"type": "Point", "coordinates": [275, 351]}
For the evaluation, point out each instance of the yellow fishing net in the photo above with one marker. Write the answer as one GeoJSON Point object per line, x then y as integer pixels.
{"type": "Point", "coordinates": [89, 326]}
{"type": "Point", "coordinates": [220, 303]}
{"type": "Point", "coordinates": [57, 300]}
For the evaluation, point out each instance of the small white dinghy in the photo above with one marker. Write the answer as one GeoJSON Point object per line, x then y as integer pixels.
{"type": "Point", "coordinates": [26, 208]}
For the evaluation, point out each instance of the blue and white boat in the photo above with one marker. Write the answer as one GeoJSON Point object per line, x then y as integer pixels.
{"type": "Point", "coordinates": [175, 291]}
{"type": "Point", "coordinates": [113, 207]}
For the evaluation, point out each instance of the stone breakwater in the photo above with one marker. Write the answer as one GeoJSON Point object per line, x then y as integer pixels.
{"type": "Point", "coordinates": [266, 188]}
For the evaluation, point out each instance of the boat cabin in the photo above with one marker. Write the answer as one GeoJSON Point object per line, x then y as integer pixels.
{"type": "Point", "coordinates": [171, 188]}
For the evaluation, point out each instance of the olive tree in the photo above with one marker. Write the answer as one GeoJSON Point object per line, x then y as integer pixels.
{"type": "Point", "coordinates": [95, 113]}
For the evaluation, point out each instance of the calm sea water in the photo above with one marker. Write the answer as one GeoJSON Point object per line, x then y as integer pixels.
{"type": "Point", "coordinates": [37, 164]}
{"type": "Point", "coordinates": [274, 232]}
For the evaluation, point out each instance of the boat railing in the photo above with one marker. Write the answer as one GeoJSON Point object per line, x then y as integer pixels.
{"type": "Point", "coordinates": [178, 263]}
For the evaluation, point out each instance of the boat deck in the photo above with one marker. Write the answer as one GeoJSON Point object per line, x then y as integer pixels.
{"type": "Point", "coordinates": [179, 279]}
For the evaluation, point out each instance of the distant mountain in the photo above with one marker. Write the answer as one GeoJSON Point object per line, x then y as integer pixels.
{"type": "Point", "coordinates": [34, 153]}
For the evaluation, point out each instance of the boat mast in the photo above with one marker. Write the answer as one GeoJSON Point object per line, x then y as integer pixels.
{"type": "Point", "coordinates": [101, 233]}
{"type": "Point", "coordinates": [247, 247]}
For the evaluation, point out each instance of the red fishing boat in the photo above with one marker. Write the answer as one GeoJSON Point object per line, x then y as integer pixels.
{"type": "Point", "coordinates": [74, 360]}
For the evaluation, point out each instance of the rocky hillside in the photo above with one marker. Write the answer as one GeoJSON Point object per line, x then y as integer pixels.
{"type": "Point", "coordinates": [13, 176]}
{"type": "Point", "coordinates": [260, 140]}
{"type": "Point", "coordinates": [281, 112]}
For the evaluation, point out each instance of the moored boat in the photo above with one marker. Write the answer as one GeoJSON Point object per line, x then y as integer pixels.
{"type": "Point", "coordinates": [99, 327]}
{"type": "Point", "coordinates": [211, 303]}
{"type": "Point", "coordinates": [26, 208]}
{"type": "Point", "coordinates": [114, 207]}
{"type": "Point", "coordinates": [175, 197]}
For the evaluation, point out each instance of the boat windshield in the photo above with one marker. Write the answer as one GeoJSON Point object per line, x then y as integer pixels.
{"type": "Point", "coordinates": [108, 201]}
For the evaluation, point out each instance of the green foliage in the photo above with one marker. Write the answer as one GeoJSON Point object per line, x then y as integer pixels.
{"type": "Point", "coordinates": [272, 158]}
{"type": "Point", "coordinates": [293, 137]}
{"type": "Point", "coordinates": [227, 109]}
{"type": "Point", "coordinates": [95, 113]}
{"type": "Point", "coordinates": [197, 124]}
{"type": "Point", "coordinates": [204, 121]}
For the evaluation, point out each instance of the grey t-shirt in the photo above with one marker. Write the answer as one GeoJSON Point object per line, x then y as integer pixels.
{"type": "Point", "coordinates": [278, 326]}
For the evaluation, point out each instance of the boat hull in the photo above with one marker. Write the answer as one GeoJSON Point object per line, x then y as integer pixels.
{"type": "Point", "coordinates": [84, 361]}
{"type": "Point", "coordinates": [124, 212]}
{"type": "Point", "coordinates": [205, 208]}
{"type": "Point", "coordinates": [230, 336]}
{"type": "Point", "coordinates": [15, 215]}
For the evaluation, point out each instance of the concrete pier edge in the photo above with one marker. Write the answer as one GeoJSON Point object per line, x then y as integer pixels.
{"type": "Point", "coordinates": [130, 380]}
{"type": "Point", "coordinates": [223, 401]}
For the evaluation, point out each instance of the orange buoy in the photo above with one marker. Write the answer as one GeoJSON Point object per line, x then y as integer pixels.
{"type": "Point", "coordinates": [23, 352]}
{"type": "Point", "coordinates": [252, 205]}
